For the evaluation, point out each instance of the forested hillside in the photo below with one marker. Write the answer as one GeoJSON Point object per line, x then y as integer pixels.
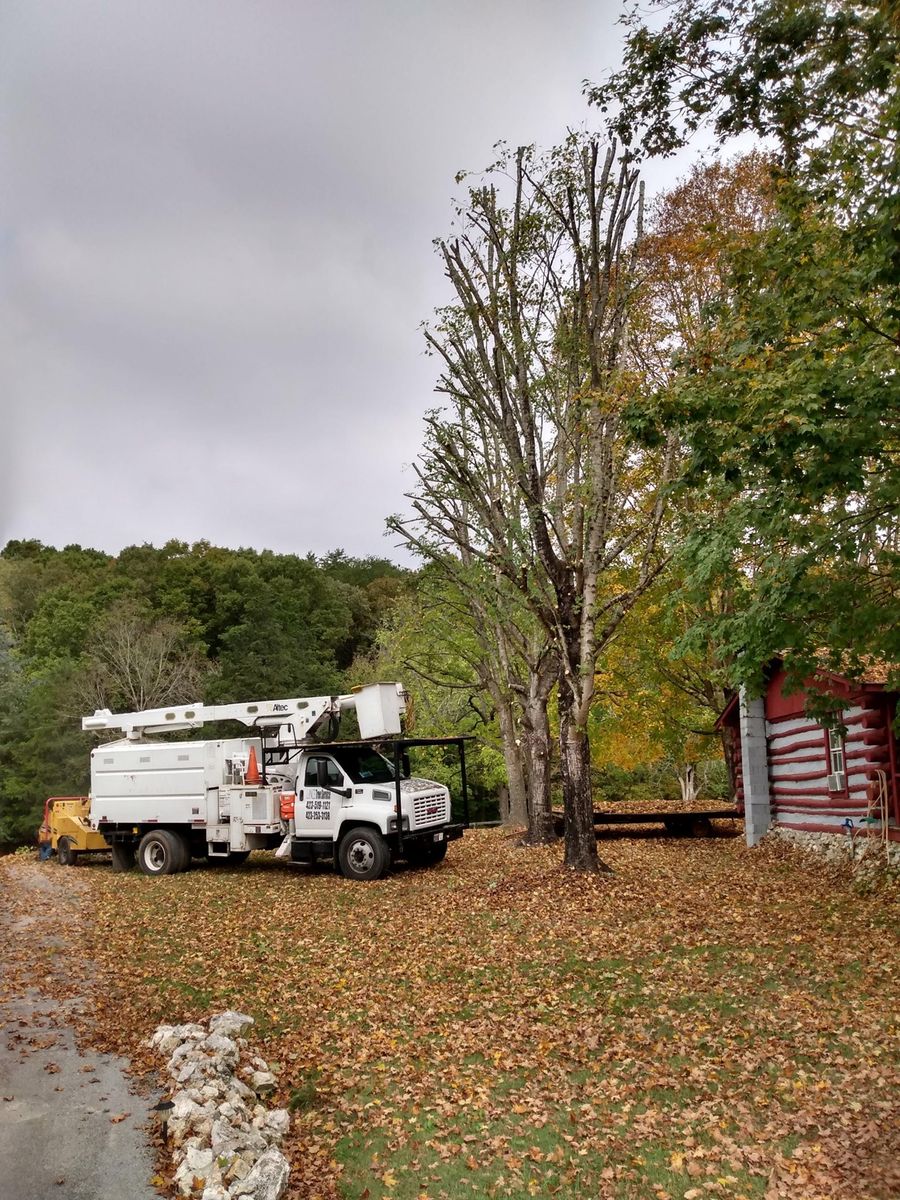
{"type": "Point", "coordinates": [80, 629]}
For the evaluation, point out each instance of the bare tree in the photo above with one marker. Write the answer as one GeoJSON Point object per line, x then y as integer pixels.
{"type": "Point", "coordinates": [137, 661]}
{"type": "Point", "coordinates": [531, 466]}
{"type": "Point", "coordinates": [517, 663]}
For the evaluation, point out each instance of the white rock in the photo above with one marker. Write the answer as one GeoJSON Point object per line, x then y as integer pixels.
{"type": "Point", "coordinates": [187, 1116]}
{"type": "Point", "coordinates": [221, 1046]}
{"type": "Point", "coordinates": [252, 1139]}
{"type": "Point", "coordinates": [278, 1122]}
{"type": "Point", "coordinates": [199, 1159]}
{"type": "Point", "coordinates": [263, 1082]}
{"type": "Point", "coordinates": [190, 1032]}
{"type": "Point", "coordinates": [190, 1070]}
{"type": "Point", "coordinates": [268, 1178]}
{"type": "Point", "coordinates": [184, 1107]}
{"type": "Point", "coordinates": [230, 1024]}
{"type": "Point", "coordinates": [203, 1128]}
{"type": "Point", "coordinates": [183, 1051]}
{"type": "Point", "coordinates": [239, 1168]}
{"type": "Point", "coordinates": [184, 1180]}
{"type": "Point", "coordinates": [210, 1130]}
{"type": "Point", "coordinates": [233, 1110]}
{"type": "Point", "coordinates": [196, 1164]}
{"type": "Point", "coordinates": [176, 1131]}
{"type": "Point", "coordinates": [223, 1136]}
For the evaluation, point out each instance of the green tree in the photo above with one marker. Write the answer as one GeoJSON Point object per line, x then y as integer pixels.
{"type": "Point", "coordinates": [285, 640]}
{"type": "Point", "coordinates": [790, 397]}
{"type": "Point", "coordinates": [42, 749]}
{"type": "Point", "coordinates": [796, 72]}
{"type": "Point", "coordinates": [657, 706]}
{"type": "Point", "coordinates": [428, 643]}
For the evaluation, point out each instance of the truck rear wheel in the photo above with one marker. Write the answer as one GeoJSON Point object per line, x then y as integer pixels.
{"type": "Point", "coordinates": [159, 853]}
{"type": "Point", "coordinates": [184, 850]}
{"type": "Point", "coordinates": [65, 853]}
{"type": "Point", "coordinates": [364, 855]}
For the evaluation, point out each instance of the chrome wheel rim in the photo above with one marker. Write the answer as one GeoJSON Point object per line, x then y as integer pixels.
{"type": "Point", "coordinates": [361, 856]}
{"type": "Point", "coordinates": [156, 856]}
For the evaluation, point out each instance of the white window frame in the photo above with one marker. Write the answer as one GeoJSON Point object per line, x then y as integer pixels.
{"type": "Point", "coordinates": [837, 758]}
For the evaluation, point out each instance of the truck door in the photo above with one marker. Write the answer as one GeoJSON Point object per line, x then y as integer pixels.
{"type": "Point", "coordinates": [318, 808]}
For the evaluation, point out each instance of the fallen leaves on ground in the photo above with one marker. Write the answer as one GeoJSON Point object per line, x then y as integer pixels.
{"type": "Point", "coordinates": [706, 1021]}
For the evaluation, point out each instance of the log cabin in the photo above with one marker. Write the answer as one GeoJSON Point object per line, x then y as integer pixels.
{"type": "Point", "coordinates": [789, 770]}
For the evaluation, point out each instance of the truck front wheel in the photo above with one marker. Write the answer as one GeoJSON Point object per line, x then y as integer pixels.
{"type": "Point", "coordinates": [363, 855]}
{"type": "Point", "coordinates": [425, 854]}
{"type": "Point", "coordinates": [159, 853]}
{"type": "Point", "coordinates": [437, 852]}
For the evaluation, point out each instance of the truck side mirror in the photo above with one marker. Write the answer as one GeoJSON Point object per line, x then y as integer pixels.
{"type": "Point", "coordinates": [321, 773]}
{"type": "Point", "coordinates": [405, 767]}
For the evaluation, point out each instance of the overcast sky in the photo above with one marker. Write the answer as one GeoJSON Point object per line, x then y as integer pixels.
{"type": "Point", "coordinates": [215, 229]}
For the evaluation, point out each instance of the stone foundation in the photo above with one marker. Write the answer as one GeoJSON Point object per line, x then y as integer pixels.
{"type": "Point", "coordinates": [862, 853]}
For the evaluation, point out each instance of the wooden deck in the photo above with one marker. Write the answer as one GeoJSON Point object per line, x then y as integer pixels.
{"type": "Point", "coordinates": [678, 824]}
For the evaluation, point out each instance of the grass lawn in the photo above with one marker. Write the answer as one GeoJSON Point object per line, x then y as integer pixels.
{"type": "Point", "coordinates": [707, 1021]}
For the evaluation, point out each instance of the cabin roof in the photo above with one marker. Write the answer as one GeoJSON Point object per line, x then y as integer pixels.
{"type": "Point", "coordinates": [868, 670]}
{"type": "Point", "coordinates": [874, 676]}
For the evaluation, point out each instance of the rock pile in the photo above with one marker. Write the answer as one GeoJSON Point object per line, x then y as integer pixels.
{"type": "Point", "coordinates": [225, 1141]}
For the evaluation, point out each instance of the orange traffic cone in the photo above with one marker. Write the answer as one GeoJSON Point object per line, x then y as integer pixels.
{"type": "Point", "coordinates": [252, 775]}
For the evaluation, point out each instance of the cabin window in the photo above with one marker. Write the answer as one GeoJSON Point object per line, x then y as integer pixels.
{"type": "Point", "coordinates": [836, 776]}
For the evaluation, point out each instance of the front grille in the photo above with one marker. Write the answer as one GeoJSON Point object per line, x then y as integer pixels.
{"type": "Point", "coordinates": [429, 810]}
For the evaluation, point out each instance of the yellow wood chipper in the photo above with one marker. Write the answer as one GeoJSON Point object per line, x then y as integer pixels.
{"type": "Point", "coordinates": [70, 833]}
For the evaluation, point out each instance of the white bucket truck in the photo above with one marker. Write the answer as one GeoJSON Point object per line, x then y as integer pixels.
{"type": "Point", "coordinates": [353, 803]}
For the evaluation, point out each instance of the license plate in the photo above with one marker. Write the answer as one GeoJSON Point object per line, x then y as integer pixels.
{"type": "Point", "coordinates": [438, 837]}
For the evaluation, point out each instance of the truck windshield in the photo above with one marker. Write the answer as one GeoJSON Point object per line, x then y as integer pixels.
{"type": "Point", "coordinates": [364, 765]}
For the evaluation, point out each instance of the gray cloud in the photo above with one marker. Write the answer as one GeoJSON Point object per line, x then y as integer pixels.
{"type": "Point", "coordinates": [215, 233]}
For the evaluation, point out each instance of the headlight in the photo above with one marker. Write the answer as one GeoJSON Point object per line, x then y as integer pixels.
{"type": "Point", "coordinates": [392, 823]}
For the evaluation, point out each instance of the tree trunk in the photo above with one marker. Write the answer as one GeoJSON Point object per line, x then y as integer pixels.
{"type": "Point", "coordinates": [687, 781]}
{"type": "Point", "coordinates": [537, 728]}
{"type": "Point", "coordinates": [512, 757]}
{"type": "Point", "coordinates": [725, 736]}
{"type": "Point", "coordinates": [581, 841]}
{"type": "Point", "coordinates": [503, 803]}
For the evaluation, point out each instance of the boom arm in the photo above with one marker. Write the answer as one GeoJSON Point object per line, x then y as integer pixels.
{"type": "Point", "coordinates": [379, 707]}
